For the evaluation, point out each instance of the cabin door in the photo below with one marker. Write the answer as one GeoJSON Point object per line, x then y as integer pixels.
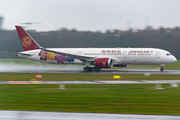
{"type": "Point", "coordinates": [157, 54]}
{"type": "Point", "coordinates": [124, 54]}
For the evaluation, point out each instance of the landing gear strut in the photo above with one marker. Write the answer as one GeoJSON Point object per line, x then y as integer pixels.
{"type": "Point", "coordinates": [161, 69]}
{"type": "Point", "coordinates": [87, 68]}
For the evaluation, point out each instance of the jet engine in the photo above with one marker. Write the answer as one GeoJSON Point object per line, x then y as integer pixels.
{"type": "Point", "coordinates": [103, 62]}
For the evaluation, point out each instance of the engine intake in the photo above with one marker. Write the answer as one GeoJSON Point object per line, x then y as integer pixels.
{"type": "Point", "coordinates": [103, 62]}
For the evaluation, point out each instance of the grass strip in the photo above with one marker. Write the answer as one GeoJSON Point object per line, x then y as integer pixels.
{"type": "Point", "coordinates": [82, 77]}
{"type": "Point", "coordinates": [130, 99]}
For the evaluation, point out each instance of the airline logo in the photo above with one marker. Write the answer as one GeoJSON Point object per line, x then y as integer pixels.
{"type": "Point", "coordinates": [26, 41]}
{"type": "Point", "coordinates": [104, 64]}
{"type": "Point", "coordinates": [111, 51]}
{"type": "Point", "coordinates": [140, 51]}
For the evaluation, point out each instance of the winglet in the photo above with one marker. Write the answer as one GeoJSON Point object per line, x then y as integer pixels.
{"type": "Point", "coordinates": [26, 40]}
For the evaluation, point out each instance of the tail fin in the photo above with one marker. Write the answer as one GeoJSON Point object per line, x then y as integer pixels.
{"type": "Point", "coordinates": [28, 43]}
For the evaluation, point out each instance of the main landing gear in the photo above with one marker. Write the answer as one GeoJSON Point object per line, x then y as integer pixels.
{"type": "Point", "coordinates": [87, 68]}
{"type": "Point", "coordinates": [161, 69]}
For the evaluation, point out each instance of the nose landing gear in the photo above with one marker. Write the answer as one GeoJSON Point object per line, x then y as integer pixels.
{"type": "Point", "coordinates": [161, 69]}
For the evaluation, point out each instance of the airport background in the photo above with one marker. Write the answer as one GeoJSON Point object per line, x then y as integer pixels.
{"type": "Point", "coordinates": [163, 38]}
{"type": "Point", "coordinates": [98, 98]}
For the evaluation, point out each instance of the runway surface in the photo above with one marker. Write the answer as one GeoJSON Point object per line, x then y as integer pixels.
{"type": "Point", "coordinates": [103, 71]}
{"type": "Point", "coordinates": [33, 115]}
{"type": "Point", "coordinates": [26, 68]}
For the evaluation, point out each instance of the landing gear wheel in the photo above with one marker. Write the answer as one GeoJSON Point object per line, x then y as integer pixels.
{"type": "Point", "coordinates": [88, 69]}
{"type": "Point", "coordinates": [96, 69]}
{"type": "Point", "coordinates": [162, 65]}
{"type": "Point", "coordinates": [85, 69]}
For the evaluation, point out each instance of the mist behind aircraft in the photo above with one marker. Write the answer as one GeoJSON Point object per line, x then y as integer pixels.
{"type": "Point", "coordinates": [14, 67]}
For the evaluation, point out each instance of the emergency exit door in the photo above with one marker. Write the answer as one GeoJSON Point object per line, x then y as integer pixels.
{"type": "Point", "coordinates": [124, 54]}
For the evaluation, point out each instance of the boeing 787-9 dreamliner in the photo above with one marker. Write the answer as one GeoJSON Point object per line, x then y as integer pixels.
{"type": "Point", "coordinates": [96, 57]}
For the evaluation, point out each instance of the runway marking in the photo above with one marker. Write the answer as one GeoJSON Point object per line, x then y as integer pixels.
{"type": "Point", "coordinates": [36, 82]}
{"type": "Point", "coordinates": [18, 82]}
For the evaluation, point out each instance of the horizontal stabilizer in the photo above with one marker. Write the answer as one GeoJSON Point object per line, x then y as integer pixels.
{"type": "Point", "coordinates": [27, 54]}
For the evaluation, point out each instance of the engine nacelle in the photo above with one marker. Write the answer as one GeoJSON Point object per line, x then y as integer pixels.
{"type": "Point", "coordinates": [103, 62]}
{"type": "Point", "coordinates": [120, 65]}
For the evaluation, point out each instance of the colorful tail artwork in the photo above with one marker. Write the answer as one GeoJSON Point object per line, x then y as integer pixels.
{"type": "Point", "coordinates": [28, 43]}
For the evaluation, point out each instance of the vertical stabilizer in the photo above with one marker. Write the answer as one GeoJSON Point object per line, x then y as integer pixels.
{"type": "Point", "coordinates": [28, 43]}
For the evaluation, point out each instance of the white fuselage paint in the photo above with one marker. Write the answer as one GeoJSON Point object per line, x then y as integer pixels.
{"type": "Point", "coordinates": [121, 56]}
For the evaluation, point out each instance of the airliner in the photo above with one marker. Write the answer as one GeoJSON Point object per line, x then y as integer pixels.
{"type": "Point", "coordinates": [93, 58]}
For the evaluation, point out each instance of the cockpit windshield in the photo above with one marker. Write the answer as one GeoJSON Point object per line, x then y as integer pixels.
{"type": "Point", "coordinates": [168, 54]}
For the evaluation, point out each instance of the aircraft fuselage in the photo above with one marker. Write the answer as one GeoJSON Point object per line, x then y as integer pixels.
{"type": "Point", "coordinates": [120, 56]}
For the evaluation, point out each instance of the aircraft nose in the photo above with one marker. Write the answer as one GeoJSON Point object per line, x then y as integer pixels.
{"type": "Point", "coordinates": [174, 59]}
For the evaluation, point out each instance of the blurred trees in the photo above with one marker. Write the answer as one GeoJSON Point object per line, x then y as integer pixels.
{"type": "Point", "coordinates": [164, 38]}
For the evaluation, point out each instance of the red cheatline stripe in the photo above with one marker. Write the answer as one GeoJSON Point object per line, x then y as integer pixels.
{"type": "Point", "coordinates": [18, 82]}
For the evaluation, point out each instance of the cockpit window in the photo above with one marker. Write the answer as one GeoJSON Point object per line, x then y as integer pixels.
{"type": "Point", "coordinates": [168, 54]}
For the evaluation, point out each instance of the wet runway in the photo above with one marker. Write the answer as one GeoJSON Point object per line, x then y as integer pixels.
{"type": "Point", "coordinates": [33, 115]}
{"type": "Point", "coordinates": [24, 68]}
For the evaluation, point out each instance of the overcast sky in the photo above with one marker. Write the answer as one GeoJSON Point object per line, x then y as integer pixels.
{"type": "Point", "coordinates": [90, 14]}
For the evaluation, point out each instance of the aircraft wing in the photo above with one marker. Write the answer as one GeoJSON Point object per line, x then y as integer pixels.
{"type": "Point", "coordinates": [80, 57]}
